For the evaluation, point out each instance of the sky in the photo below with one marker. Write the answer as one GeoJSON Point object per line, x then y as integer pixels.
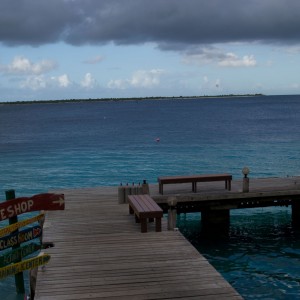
{"type": "Point", "coordinates": [75, 49]}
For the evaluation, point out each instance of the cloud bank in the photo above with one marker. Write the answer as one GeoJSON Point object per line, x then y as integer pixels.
{"type": "Point", "coordinates": [140, 78]}
{"type": "Point", "coordinates": [213, 54]}
{"type": "Point", "coordinates": [171, 24]}
{"type": "Point", "coordinates": [23, 66]}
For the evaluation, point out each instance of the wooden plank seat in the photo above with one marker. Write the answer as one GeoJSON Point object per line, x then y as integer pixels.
{"type": "Point", "coordinates": [144, 208]}
{"type": "Point", "coordinates": [194, 179]}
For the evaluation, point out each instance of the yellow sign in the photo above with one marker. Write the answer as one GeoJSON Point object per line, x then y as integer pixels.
{"type": "Point", "coordinates": [7, 230]}
{"type": "Point", "coordinates": [31, 263]}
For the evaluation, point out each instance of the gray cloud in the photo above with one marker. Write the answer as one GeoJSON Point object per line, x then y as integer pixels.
{"type": "Point", "coordinates": [214, 55]}
{"type": "Point", "coordinates": [171, 24]}
{"type": "Point", "coordinates": [95, 60]}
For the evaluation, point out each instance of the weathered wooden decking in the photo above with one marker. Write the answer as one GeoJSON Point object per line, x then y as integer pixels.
{"type": "Point", "coordinates": [99, 253]}
{"type": "Point", "coordinates": [258, 185]}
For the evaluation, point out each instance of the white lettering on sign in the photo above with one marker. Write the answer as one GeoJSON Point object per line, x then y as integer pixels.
{"type": "Point", "coordinates": [2, 214]}
{"type": "Point", "coordinates": [30, 204]}
{"type": "Point", "coordinates": [8, 243]}
{"type": "Point", "coordinates": [23, 237]}
{"type": "Point", "coordinates": [16, 209]}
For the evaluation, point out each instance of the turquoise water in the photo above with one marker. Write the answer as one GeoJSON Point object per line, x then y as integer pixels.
{"type": "Point", "coordinates": [260, 257]}
{"type": "Point", "coordinates": [49, 146]}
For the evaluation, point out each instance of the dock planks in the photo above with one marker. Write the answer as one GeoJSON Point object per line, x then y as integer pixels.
{"type": "Point", "coordinates": [99, 253]}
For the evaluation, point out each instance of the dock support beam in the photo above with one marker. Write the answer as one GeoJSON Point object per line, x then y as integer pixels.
{"type": "Point", "coordinates": [172, 213]}
{"type": "Point", "coordinates": [296, 213]}
{"type": "Point", "coordinates": [215, 221]}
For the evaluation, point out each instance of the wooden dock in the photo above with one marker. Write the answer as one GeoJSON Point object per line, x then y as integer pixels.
{"type": "Point", "coordinates": [100, 253]}
{"type": "Point", "coordinates": [215, 203]}
{"type": "Point", "coordinates": [263, 192]}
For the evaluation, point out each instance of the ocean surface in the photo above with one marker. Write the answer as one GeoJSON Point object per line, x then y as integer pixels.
{"type": "Point", "coordinates": [87, 144]}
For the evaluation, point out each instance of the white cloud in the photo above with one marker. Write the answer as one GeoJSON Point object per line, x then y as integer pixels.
{"type": "Point", "coordinates": [42, 82]}
{"type": "Point", "coordinates": [88, 81]}
{"type": "Point", "coordinates": [119, 84]}
{"type": "Point", "coordinates": [34, 82]}
{"type": "Point", "coordinates": [23, 66]}
{"type": "Point", "coordinates": [64, 80]}
{"type": "Point", "coordinates": [140, 78]}
{"type": "Point", "coordinates": [146, 78]}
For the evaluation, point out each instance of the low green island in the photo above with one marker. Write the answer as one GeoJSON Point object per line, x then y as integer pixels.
{"type": "Point", "coordinates": [130, 99]}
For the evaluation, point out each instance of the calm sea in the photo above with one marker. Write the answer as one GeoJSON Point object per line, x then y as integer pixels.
{"type": "Point", "coordinates": [86, 144]}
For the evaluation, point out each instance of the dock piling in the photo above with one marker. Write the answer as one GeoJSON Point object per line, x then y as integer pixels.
{"type": "Point", "coordinates": [296, 213]}
{"type": "Point", "coordinates": [245, 172]}
{"type": "Point", "coordinates": [125, 191]}
{"type": "Point", "coordinates": [172, 213]}
{"type": "Point", "coordinates": [19, 277]}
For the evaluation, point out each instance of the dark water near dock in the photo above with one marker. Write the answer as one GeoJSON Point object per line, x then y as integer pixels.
{"type": "Point", "coordinates": [260, 257]}
{"type": "Point", "coordinates": [50, 146]}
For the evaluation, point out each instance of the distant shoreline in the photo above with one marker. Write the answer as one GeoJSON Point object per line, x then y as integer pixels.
{"type": "Point", "coordinates": [128, 99]}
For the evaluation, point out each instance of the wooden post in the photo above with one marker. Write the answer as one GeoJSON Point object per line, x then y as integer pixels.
{"type": "Point", "coordinates": [127, 192]}
{"type": "Point", "coordinates": [19, 278]}
{"type": "Point", "coordinates": [145, 187]}
{"type": "Point", "coordinates": [32, 281]}
{"type": "Point", "coordinates": [139, 190]}
{"type": "Point", "coordinates": [134, 189]}
{"type": "Point", "coordinates": [143, 225]}
{"type": "Point", "coordinates": [245, 185]}
{"type": "Point", "coordinates": [121, 196]}
{"type": "Point", "coordinates": [172, 213]}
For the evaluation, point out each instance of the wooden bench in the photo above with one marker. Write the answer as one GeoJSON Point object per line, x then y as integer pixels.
{"type": "Point", "coordinates": [194, 179]}
{"type": "Point", "coordinates": [144, 207]}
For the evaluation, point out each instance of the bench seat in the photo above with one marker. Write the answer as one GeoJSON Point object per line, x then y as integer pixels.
{"type": "Point", "coordinates": [194, 179]}
{"type": "Point", "coordinates": [144, 208]}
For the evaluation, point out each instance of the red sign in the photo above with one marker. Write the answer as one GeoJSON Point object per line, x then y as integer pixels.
{"type": "Point", "coordinates": [23, 205]}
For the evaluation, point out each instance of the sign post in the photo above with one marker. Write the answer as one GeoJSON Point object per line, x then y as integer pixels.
{"type": "Point", "coordinates": [19, 278]}
{"type": "Point", "coordinates": [11, 237]}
